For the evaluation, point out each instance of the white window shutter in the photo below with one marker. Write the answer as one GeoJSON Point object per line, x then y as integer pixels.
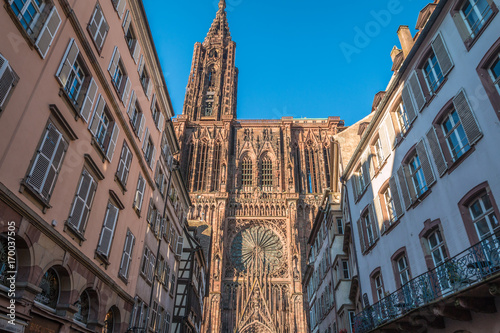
{"type": "Point", "coordinates": [108, 230]}
{"type": "Point", "coordinates": [139, 195]}
{"type": "Point", "coordinates": [180, 244]}
{"type": "Point", "coordinates": [141, 65]}
{"type": "Point", "coordinates": [48, 32]}
{"type": "Point", "coordinates": [112, 142]}
{"type": "Point", "coordinates": [404, 186]}
{"type": "Point", "coordinates": [437, 153]}
{"type": "Point", "coordinates": [96, 118]}
{"type": "Point", "coordinates": [67, 62]}
{"type": "Point", "coordinates": [137, 51]}
{"type": "Point", "coordinates": [153, 103]}
{"type": "Point", "coordinates": [442, 55]}
{"type": "Point", "coordinates": [149, 89]}
{"type": "Point", "coordinates": [126, 21]}
{"type": "Point", "coordinates": [374, 223]}
{"type": "Point", "coordinates": [120, 7]}
{"type": "Point", "coordinates": [145, 142]}
{"type": "Point", "coordinates": [88, 101]}
{"type": "Point", "coordinates": [408, 103]}
{"type": "Point", "coordinates": [114, 61]}
{"type": "Point", "coordinates": [161, 122]}
{"type": "Point", "coordinates": [418, 93]}
{"type": "Point", "coordinates": [131, 104]}
{"type": "Point", "coordinates": [153, 157]}
{"type": "Point", "coordinates": [127, 254]}
{"type": "Point", "coordinates": [103, 32]}
{"type": "Point", "coordinates": [395, 197]}
{"type": "Point", "coordinates": [391, 134]}
{"type": "Point", "coordinates": [121, 164]}
{"type": "Point", "coordinates": [126, 91]}
{"type": "Point", "coordinates": [141, 127]}
{"type": "Point", "coordinates": [83, 202]}
{"type": "Point", "coordinates": [469, 122]}
{"type": "Point", "coordinates": [426, 165]}
{"type": "Point", "coordinates": [7, 80]}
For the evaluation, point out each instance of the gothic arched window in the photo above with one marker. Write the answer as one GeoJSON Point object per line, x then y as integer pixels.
{"type": "Point", "coordinates": [216, 167]}
{"type": "Point", "coordinates": [200, 173]}
{"type": "Point", "coordinates": [50, 289]}
{"type": "Point", "coordinates": [83, 306]}
{"type": "Point", "coordinates": [312, 182]}
{"type": "Point", "coordinates": [326, 158]}
{"type": "Point", "coordinates": [267, 172]}
{"type": "Point", "coordinates": [246, 171]}
{"type": "Point", "coordinates": [189, 165]}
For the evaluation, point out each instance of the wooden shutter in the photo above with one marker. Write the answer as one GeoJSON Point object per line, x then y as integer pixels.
{"type": "Point", "coordinates": [161, 121]}
{"type": "Point", "coordinates": [374, 223]}
{"type": "Point", "coordinates": [408, 104]}
{"type": "Point", "coordinates": [417, 92]}
{"type": "Point", "coordinates": [354, 184]}
{"type": "Point", "coordinates": [103, 31]}
{"type": "Point", "coordinates": [95, 22]}
{"type": "Point", "coordinates": [141, 127]}
{"type": "Point", "coordinates": [126, 21]}
{"type": "Point", "coordinates": [127, 254]}
{"type": "Point", "coordinates": [361, 236]}
{"type": "Point", "coordinates": [366, 171]}
{"type": "Point", "coordinates": [145, 143]}
{"type": "Point", "coordinates": [180, 245]}
{"type": "Point", "coordinates": [112, 142]}
{"type": "Point", "coordinates": [83, 202]}
{"type": "Point", "coordinates": [124, 164]}
{"type": "Point", "coordinates": [141, 65]}
{"type": "Point", "coordinates": [437, 153]}
{"type": "Point", "coordinates": [395, 197]}
{"type": "Point", "coordinates": [442, 54]}
{"type": "Point", "coordinates": [126, 91]}
{"type": "Point", "coordinates": [378, 212]}
{"type": "Point", "coordinates": [404, 186]}
{"type": "Point", "coordinates": [153, 102]}
{"type": "Point", "coordinates": [108, 230]}
{"type": "Point", "coordinates": [391, 134]}
{"type": "Point", "coordinates": [96, 118]}
{"type": "Point", "coordinates": [158, 224]}
{"type": "Point", "coordinates": [425, 164]}
{"type": "Point", "coordinates": [469, 123]}
{"type": "Point", "coordinates": [48, 162]}
{"type": "Point", "coordinates": [48, 32]}
{"type": "Point", "coordinates": [139, 194]}
{"type": "Point", "coordinates": [153, 158]}
{"type": "Point", "coordinates": [120, 7]}
{"type": "Point", "coordinates": [114, 61]}
{"type": "Point", "coordinates": [137, 51]}
{"type": "Point", "coordinates": [149, 89]}
{"type": "Point", "coordinates": [131, 105]}
{"type": "Point", "coordinates": [89, 100]}
{"type": "Point", "coordinates": [7, 80]}
{"type": "Point", "coordinates": [68, 62]}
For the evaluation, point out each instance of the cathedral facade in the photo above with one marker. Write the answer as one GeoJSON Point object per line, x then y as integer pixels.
{"type": "Point", "coordinates": [259, 184]}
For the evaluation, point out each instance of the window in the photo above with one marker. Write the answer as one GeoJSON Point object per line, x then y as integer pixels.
{"type": "Point", "coordinates": [144, 78]}
{"type": "Point", "coordinates": [139, 193]}
{"type": "Point", "coordinates": [368, 228]}
{"type": "Point", "coordinates": [172, 283]}
{"type": "Point", "coordinates": [104, 129]}
{"type": "Point", "coordinates": [311, 177]}
{"type": "Point", "coordinates": [47, 163]}
{"type": "Point", "coordinates": [360, 179]}
{"type": "Point", "coordinates": [119, 6]}
{"type": "Point", "coordinates": [161, 180]}
{"type": "Point", "coordinates": [154, 313]}
{"type": "Point", "coordinates": [403, 270]}
{"type": "Point", "coordinates": [216, 181]}
{"type": "Point", "coordinates": [124, 165]}
{"type": "Point", "coordinates": [351, 320]}
{"type": "Point", "coordinates": [267, 173]}
{"type": "Point", "coordinates": [379, 152]}
{"type": "Point", "coordinates": [83, 306]}
{"type": "Point", "coordinates": [475, 13]}
{"type": "Point", "coordinates": [149, 149]}
{"type": "Point", "coordinates": [403, 120]}
{"type": "Point", "coordinates": [433, 73]}
{"type": "Point", "coordinates": [108, 230]}
{"type": "Point", "coordinates": [484, 217]}
{"type": "Point", "coordinates": [345, 269]}
{"type": "Point", "coordinates": [50, 289]}
{"type": "Point", "coordinates": [131, 38]}
{"type": "Point", "coordinates": [98, 27]}
{"type": "Point", "coordinates": [379, 287]}
{"type": "Point", "coordinates": [138, 318]}
{"type": "Point", "coordinates": [417, 175]}
{"type": "Point", "coordinates": [370, 232]}
{"type": "Point", "coordinates": [40, 21]}
{"type": "Point", "coordinates": [119, 77]}
{"type": "Point", "coordinates": [8, 79]}
{"type": "Point", "coordinates": [455, 135]}
{"type": "Point", "coordinates": [7, 267]}
{"type": "Point", "coordinates": [127, 255]}
{"type": "Point", "coordinates": [82, 203]}
{"type": "Point", "coordinates": [246, 171]}
{"type": "Point", "coordinates": [209, 105]}
{"type": "Point", "coordinates": [326, 160]}
{"type": "Point", "coordinates": [494, 71]}
{"type": "Point", "coordinates": [201, 164]}
{"type": "Point", "coordinates": [158, 117]}
{"type": "Point", "coordinates": [437, 248]}
{"type": "Point", "coordinates": [148, 264]}
{"type": "Point", "coordinates": [340, 227]}
{"type": "Point", "coordinates": [166, 325]}
{"type": "Point", "coordinates": [135, 115]}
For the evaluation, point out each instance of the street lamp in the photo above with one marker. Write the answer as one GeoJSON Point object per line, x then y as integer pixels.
{"type": "Point", "coordinates": [175, 167]}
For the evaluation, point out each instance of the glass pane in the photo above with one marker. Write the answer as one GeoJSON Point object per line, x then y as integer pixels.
{"type": "Point", "coordinates": [486, 202]}
{"type": "Point", "coordinates": [483, 228]}
{"type": "Point", "coordinates": [476, 210]}
{"type": "Point", "coordinates": [495, 69]}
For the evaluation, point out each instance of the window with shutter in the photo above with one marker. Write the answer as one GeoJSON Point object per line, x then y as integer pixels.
{"type": "Point", "coordinates": [145, 262]}
{"type": "Point", "coordinates": [98, 27]}
{"type": "Point", "coordinates": [139, 193]}
{"type": "Point", "coordinates": [442, 55]}
{"type": "Point", "coordinates": [47, 162]}
{"type": "Point", "coordinates": [104, 129]}
{"type": "Point", "coordinates": [124, 164]}
{"type": "Point", "coordinates": [127, 254]}
{"type": "Point", "coordinates": [436, 151]}
{"type": "Point", "coordinates": [108, 230]}
{"type": "Point", "coordinates": [82, 204]}
{"type": "Point", "coordinates": [180, 244]}
{"type": "Point", "coordinates": [8, 80]}
{"type": "Point", "coordinates": [48, 32]}
{"type": "Point", "coordinates": [28, 13]}
{"type": "Point", "coordinates": [403, 183]}
{"type": "Point", "coordinates": [119, 6]}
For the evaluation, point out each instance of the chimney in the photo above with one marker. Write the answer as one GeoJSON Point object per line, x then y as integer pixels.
{"type": "Point", "coordinates": [406, 39]}
{"type": "Point", "coordinates": [394, 53]}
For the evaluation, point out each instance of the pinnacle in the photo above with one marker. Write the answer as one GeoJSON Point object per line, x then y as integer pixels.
{"type": "Point", "coordinates": [222, 5]}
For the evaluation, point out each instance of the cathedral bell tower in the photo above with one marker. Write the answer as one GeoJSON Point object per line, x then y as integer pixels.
{"type": "Point", "coordinates": [212, 85]}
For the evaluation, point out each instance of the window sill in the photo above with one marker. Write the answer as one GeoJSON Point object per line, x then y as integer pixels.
{"type": "Point", "coordinates": [435, 93]}
{"type": "Point", "coordinates": [31, 193]}
{"type": "Point", "coordinates": [74, 234]}
{"type": "Point", "coordinates": [470, 42]}
{"type": "Point", "coordinates": [122, 186]}
{"type": "Point", "coordinates": [460, 160]}
{"type": "Point", "coordinates": [380, 167]}
{"type": "Point", "coordinates": [98, 149]}
{"type": "Point", "coordinates": [102, 258]}
{"type": "Point", "coordinates": [362, 193]}
{"type": "Point", "coordinates": [391, 226]}
{"type": "Point", "coordinates": [419, 199]}
{"type": "Point", "coordinates": [371, 247]}
{"type": "Point", "coordinates": [137, 211]}
{"type": "Point", "coordinates": [123, 278]}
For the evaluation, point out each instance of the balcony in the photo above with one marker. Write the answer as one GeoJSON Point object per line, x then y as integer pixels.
{"type": "Point", "coordinates": [451, 290]}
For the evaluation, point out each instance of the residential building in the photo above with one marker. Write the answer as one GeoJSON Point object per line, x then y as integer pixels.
{"type": "Point", "coordinates": [422, 184]}
{"type": "Point", "coordinates": [84, 112]}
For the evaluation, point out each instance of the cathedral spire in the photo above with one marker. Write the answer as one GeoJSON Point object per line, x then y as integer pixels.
{"type": "Point", "coordinates": [222, 5]}
{"type": "Point", "coordinates": [219, 30]}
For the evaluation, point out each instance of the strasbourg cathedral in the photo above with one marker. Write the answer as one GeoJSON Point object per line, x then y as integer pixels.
{"type": "Point", "coordinates": [258, 185]}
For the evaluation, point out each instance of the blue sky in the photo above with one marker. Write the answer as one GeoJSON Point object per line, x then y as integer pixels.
{"type": "Point", "coordinates": [296, 58]}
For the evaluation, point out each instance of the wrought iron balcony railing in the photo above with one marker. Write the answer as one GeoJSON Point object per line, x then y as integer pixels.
{"type": "Point", "coordinates": [469, 268]}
